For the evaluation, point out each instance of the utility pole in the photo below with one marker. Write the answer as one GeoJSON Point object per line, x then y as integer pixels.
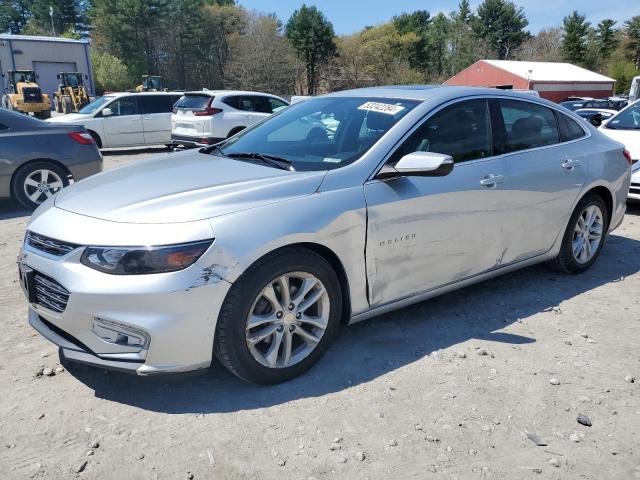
{"type": "Point", "coordinates": [53, 28]}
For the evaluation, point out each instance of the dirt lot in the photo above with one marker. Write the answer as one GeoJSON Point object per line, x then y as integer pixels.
{"type": "Point", "coordinates": [449, 389]}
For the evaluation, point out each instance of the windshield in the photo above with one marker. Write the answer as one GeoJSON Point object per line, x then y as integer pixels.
{"type": "Point", "coordinates": [628, 119]}
{"type": "Point", "coordinates": [95, 105]}
{"type": "Point", "coordinates": [322, 133]}
{"type": "Point", "coordinates": [24, 77]}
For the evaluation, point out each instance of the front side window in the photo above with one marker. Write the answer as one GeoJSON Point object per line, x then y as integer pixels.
{"type": "Point", "coordinates": [276, 105]}
{"type": "Point", "coordinates": [527, 125]}
{"type": "Point", "coordinates": [461, 130]}
{"type": "Point", "coordinates": [124, 106]}
{"type": "Point", "coordinates": [321, 133]}
{"type": "Point", "coordinates": [628, 119]}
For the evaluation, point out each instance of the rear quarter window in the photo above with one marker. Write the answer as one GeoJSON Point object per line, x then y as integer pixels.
{"type": "Point", "coordinates": [569, 128]}
{"type": "Point", "coordinates": [233, 101]}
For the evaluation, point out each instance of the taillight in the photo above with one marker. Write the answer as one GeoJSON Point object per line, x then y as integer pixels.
{"type": "Point", "coordinates": [84, 138]}
{"type": "Point", "coordinates": [207, 112]}
{"type": "Point", "coordinates": [627, 155]}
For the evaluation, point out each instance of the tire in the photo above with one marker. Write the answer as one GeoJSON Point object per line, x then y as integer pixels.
{"type": "Point", "coordinates": [568, 261]}
{"type": "Point", "coordinates": [233, 131]}
{"type": "Point", "coordinates": [67, 107]}
{"type": "Point", "coordinates": [231, 344]}
{"type": "Point", "coordinates": [57, 104]}
{"type": "Point", "coordinates": [25, 192]}
{"type": "Point", "coordinates": [43, 115]}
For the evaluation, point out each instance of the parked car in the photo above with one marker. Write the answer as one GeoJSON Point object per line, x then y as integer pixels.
{"type": "Point", "coordinates": [625, 128]}
{"type": "Point", "coordinates": [38, 159]}
{"type": "Point", "coordinates": [577, 104]}
{"type": "Point", "coordinates": [209, 116]}
{"type": "Point", "coordinates": [127, 119]}
{"type": "Point", "coordinates": [595, 116]}
{"type": "Point", "coordinates": [259, 247]}
{"type": "Point", "coordinates": [617, 103]}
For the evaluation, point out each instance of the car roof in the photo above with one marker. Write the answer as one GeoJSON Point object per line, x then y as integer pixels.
{"type": "Point", "coordinates": [433, 92]}
{"type": "Point", "coordinates": [213, 93]}
{"type": "Point", "coordinates": [123, 94]}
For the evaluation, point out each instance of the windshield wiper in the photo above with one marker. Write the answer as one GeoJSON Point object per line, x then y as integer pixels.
{"type": "Point", "coordinates": [271, 160]}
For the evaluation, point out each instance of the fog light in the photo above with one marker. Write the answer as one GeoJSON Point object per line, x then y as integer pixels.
{"type": "Point", "coordinates": [120, 334]}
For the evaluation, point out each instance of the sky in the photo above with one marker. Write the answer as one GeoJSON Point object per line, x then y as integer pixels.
{"type": "Point", "coordinates": [349, 16]}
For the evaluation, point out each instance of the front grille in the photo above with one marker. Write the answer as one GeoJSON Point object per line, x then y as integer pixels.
{"type": "Point", "coordinates": [49, 245]}
{"type": "Point", "coordinates": [32, 95]}
{"type": "Point", "coordinates": [49, 293]}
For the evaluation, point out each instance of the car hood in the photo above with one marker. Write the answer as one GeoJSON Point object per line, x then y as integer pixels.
{"type": "Point", "coordinates": [183, 187]}
{"type": "Point", "coordinates": [68, 118]}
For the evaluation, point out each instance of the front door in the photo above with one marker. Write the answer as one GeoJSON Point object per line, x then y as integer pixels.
{"type": "Point", "coordinates": [425, 232]}
{"type": "Point", "coordinates": [123, 128]}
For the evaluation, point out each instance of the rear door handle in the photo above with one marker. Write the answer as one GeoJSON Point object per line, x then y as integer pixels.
{"type": "Point", "coordinates": [570, 164]}
{"type": "Point", "coordinates": [491, 180]}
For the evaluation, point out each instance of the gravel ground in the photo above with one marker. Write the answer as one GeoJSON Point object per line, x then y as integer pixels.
{"type": "Point", "coordinates": [487, 382]}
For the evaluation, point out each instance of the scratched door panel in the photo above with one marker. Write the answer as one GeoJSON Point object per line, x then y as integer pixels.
{"type": "Point", "coordinates": [424, 232]}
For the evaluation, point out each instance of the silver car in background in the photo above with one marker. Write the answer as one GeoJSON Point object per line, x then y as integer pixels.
{"type": "Point", "coordinates": [257, 249]}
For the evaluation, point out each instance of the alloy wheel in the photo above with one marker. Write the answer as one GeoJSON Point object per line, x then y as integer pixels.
{"type": "Point", "coordinates": [42, 184]}
{"type": "Point", "coordinates": [587, 234]}
{"type": "Point", "coordinates": [287, 320]}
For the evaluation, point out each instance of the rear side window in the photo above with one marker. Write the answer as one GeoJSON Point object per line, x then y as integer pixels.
{"type": "Point", "coordinates": [460, 130]}
{"type": "Point", "coordinates": [156, 103]}
{"type": "Point", "coordinates": [193, 102]}
{"type": "Point", "coordinates": [233, 101]}
{"type": "Point", "coordinates": [527, 125]}
{"type": "Point", "coordinates": [569, 128]}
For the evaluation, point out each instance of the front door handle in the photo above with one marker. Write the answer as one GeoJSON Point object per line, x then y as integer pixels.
{"type": "Point", "coordinates": [490, 181]}
{"type": "Point", "coordinates": [570, 164]}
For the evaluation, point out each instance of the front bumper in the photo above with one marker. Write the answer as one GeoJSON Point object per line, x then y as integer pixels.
{"type": "Point", "coordinates": [178, 311]}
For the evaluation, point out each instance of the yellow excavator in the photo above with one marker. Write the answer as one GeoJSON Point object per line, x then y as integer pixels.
{"type": "Point", "coordinates": [150, 83]}
{"type": "Point", "coordinates": [23, 94]}
{"type": "Point", "coordinates": [71, 95]}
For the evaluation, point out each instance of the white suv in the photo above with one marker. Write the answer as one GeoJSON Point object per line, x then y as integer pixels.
{"type": "Point", "coordinates": [209, 116]}
{"type": "Point", "coordinates": [126, 119]}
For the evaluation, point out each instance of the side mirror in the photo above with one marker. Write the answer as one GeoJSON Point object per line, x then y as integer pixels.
{"type": "Point", "coordinates": [596, 120]}
{"type": "Point", "coordinates": [420, 164]}
{"type": "Point", "coordinates": [58, 76]}
{"type": "Point", "coordinates": [107, 112]}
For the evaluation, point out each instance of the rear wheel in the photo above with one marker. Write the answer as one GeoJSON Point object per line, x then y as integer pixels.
{"type": "Point", "coordinates": [43, 115]}
{"type": "Point", "coordinates": [279, 318]}
{"type": "Point", "coordinates": [36, 182]}
{"type": "Point", "coordinates": [584, 237]}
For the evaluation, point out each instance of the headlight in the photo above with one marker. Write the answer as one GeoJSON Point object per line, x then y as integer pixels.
{"type": "Point", "coordinates": [143, 260]}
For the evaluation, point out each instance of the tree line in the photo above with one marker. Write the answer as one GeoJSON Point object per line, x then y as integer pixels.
{"type": "Point", "coordinates": [219, 44]}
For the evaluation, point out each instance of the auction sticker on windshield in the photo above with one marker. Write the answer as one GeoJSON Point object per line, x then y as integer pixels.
{"type": "Point", "coordinates": [381, 107]}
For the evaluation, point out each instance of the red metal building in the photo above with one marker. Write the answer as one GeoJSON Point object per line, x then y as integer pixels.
{"type": "Point", "coordinates": [553, 81]}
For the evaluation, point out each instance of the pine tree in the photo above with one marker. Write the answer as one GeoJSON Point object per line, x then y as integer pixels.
{"type": "Point", "coordinates": [502, 25]}
{"type": "Point", "coordinates": [606, 37]}
{"type": "Point", "coordinates": [574, 39]}
{"type": "Point", "coordinates": [632, 34]}
{"type": "Point", "coordinates": [311, 35]}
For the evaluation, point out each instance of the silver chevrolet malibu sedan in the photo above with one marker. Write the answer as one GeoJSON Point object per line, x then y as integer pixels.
{"type": "Point", "coordinates": [331, 211]}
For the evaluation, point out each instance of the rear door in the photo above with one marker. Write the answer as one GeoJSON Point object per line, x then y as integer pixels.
{"type": "Point", "coordinates": [545, 174]}
{"type": "Point", "coordinates": [156, 118]}
{"type": "Point", "coordinates": [123, 128]}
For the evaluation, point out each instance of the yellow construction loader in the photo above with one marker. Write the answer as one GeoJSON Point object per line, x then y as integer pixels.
{"type": "Point", "coordinates": [22, 94]}
{"type": "Point", "coordinates": [71, 95]}
{"type": "Point", "coordinates": [150, 83]}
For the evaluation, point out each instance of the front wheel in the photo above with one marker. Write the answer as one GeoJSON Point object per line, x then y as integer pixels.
{"type": "Point", "coordinates": [279, 317]}
{"type": "Point", "coordinates": [584, 237]}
